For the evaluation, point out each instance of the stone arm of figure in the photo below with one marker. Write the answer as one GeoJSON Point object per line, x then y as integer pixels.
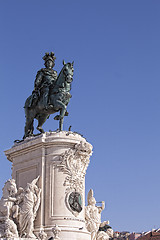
{"type": "Point", "coordinates": [15, 210]}
{"type": "Point", "coordinates": [20, 198]}
{"type": "Point", "coordinates": [100, 209]}
{"type": "Point", "coordinates": [8, 203]}
{"type": "Point", "coordinates": [12, 199]}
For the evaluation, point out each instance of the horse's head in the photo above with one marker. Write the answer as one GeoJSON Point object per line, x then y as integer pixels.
{"type": "Point", "coordinates": [66, 74]}
{"type": "Point", "coordinates": [9, 188]}
{"type": "Point", "coordinates": [68, 71]}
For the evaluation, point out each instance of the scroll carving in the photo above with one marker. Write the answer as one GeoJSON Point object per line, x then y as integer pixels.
{"type": "Point", "coordinates": [74, 163]}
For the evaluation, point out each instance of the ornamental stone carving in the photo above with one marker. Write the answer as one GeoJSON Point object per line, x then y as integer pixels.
{"type": "Point", "coordinates": [28, 201]}
{"type": "Point", "coordinates": [56, 232]}
{"type": "Point", "coordinates": [105, 231]}
{"type": "Point", "coordinates": [98, 230]}
{"type": "Point", "coordinates": [7, 226]}
{"type": "Point", "coordinates": [18, 210]}
{"type": "Point", "coordinates": [42, 235]}
{"type": "Point", "coordinates": [74, 163]}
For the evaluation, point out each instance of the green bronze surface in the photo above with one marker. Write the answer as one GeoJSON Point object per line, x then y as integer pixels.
{"type": "Point", "coordinates": [51, 94]}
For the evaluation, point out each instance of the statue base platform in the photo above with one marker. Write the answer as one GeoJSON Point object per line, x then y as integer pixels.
{"type": "Point", "coordinates": [61, 160]}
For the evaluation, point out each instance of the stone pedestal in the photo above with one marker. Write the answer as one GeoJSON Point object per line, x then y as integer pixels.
{"type": "Point", "coordinates": [61, 160]}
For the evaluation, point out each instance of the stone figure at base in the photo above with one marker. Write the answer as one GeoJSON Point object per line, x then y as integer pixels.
{"type": "Point", "coordinates": [7, 226]}
{"type": "Point", "coordinates": [18, 210]}
{"type": "Point", "coordinates": [28, 202]}
{"type": "Point", "coordinates": [105, 231]}
{"type": "Point", "coordinates": [93, 219]}
{"type": "Point", "coordinates": [42, 235]}
{"type": "Point", "coordinates": [93, 215]}
{"type": "Point", "coordinates": [56, 232]}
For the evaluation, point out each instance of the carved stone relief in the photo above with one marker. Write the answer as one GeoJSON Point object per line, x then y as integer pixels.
{"type": "Point", "coordinates": [56, 232]}
{"type": "Point", "coordinates": [74, 163]}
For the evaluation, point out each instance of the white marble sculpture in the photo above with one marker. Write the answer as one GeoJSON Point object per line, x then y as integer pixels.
{"type": "Point", "coordinates": [18, 209]}
{"type": "Point", "coordinates": [42, 235]}
{"type": "Point", "coordinates": [93, 219]}
{"type": "Point", "coordinates": [28, 202]}
{"type": "Point", "coordinates": [74, 163]}
{"type": "Point", "coordinates": [61, 159]}
{"type": "Point", "coordinates": [56, 232]}
{"type": "Point", "coordinates": [107, 234]}
{"type": "Point", "coordinates": [7, 226]}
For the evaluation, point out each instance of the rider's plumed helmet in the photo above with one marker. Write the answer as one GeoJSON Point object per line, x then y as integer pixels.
{"type": "Point", "coordinates": [49, 56]}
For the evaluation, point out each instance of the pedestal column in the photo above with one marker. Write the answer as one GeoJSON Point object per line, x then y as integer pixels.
{"type": "Point", "coordinates": [61, 160]}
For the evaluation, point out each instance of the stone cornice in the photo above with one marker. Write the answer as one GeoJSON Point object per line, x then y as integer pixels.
{"type": "Point", "coordinates": [43, 141]}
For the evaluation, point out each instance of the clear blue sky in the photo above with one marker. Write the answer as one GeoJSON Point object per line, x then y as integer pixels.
{"type": "Point", "coordinates": [116, 93]}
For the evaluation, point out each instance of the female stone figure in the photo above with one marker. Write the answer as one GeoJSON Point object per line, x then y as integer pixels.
{"type": "Point", "coordinates": [28, 201]}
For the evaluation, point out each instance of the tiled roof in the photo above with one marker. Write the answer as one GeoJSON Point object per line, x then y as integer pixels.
{"type": "Point", "coordinates": [151, 236]}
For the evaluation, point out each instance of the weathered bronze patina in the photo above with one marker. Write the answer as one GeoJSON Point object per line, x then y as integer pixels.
{"type": "Point", "coordinates": [75, 201]}
{"type": "Point", "coordinates": [51, 94]}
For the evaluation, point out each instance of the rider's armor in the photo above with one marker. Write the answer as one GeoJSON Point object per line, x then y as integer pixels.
{"type": "Point", "coordinates": [44, 79]}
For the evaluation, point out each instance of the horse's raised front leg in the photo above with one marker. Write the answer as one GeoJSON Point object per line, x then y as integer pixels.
{"type": "Point", "coordinates": [41, 120]}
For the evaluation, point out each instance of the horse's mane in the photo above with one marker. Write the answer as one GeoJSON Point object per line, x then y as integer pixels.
{"type": "Point", "coordinates": [61, 72]}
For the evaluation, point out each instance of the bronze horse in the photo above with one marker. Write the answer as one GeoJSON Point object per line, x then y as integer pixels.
{"type": "Point", "coordinates": [59, 97]}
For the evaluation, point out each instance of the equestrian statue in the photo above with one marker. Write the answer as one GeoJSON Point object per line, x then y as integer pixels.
{"type": "Point", "coordinates": [51, 94]}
